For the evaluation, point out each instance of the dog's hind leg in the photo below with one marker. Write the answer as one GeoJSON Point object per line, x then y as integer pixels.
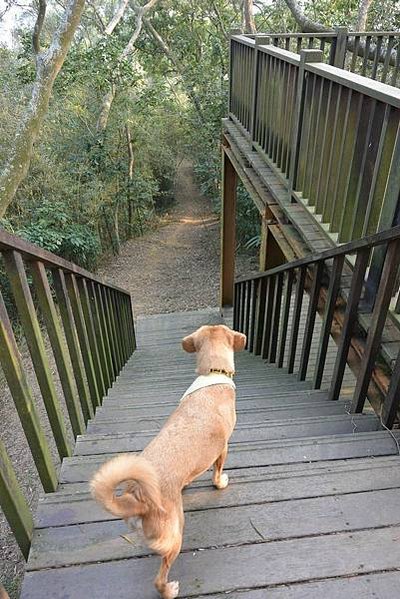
{"type": "Point", "coordinates": [170, 590]}
{"type": "Point", "coordinates": [220, 479]}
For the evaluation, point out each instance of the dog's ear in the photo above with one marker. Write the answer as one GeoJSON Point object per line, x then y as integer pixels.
{"type": "Point", "coordinates": [188, 344]}
{"type": "Point", "coordinates": [239, 341]}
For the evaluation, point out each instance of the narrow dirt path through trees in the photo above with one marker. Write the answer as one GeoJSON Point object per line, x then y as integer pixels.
{"type": "Point", "coordinates": [176, 266]}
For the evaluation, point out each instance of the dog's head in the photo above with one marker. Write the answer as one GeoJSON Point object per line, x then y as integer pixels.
{"type": "Point", "coordinates": [215, 346]}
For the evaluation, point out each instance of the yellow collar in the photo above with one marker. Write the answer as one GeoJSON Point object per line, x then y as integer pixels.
{"type": "Point", "coordinates": [222, 371]}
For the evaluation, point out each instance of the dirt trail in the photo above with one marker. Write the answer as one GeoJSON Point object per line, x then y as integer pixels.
{"type": "Point", "coordinates": [175, 267]}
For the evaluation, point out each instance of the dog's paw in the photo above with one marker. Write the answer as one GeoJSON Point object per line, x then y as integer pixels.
{"type": "Point", "coordinates": [223, 482]}
{"type": "Point", "coordinates": [171, 590]}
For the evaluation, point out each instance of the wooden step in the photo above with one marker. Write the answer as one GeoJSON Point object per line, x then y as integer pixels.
{"type": "Point", "coordinates": [213, 527]}
{"type": "Point", "coordinates": [295, 410]}
{"type": "Point", "coordinates": [313, 426]}
{"type": "Point", "coordinates": [73, 505]}
{"type": "Point", "coordinates": [261, 564]}
{"type": "Point", "coordinates": [267, 453]}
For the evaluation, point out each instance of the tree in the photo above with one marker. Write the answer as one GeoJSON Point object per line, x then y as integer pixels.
{"type": "Point", "coordinates": [248, 13]}
{"type": "Point", "coordinates": [140, 12]}
{"type": "Point", "coordinates": [48, 65]}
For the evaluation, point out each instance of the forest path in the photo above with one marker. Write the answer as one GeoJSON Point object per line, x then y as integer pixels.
{"type": "Point", "coordinates": [175, 266]}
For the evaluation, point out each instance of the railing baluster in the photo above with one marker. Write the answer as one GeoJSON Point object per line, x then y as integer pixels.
{"type": "Point", "coordinates": [118, 327]}
{"type": "Point", "coordinates": [276, 315]}
{"type": "Point", "coordinates": [330, 304]}
{"type": "Point", "coordinates": [124, 324]}
{"type": "Point", "coordinates": [131, 322]}
{"type": "Point", "coordinates": [80, 324]}
{"type": "Point", "coordinates": [98, 329]}
{"type": "Point", "coordinates": [53, 327]}
{"type": "Point", "coordinates": [366, 55]}
{"type": "Point", "coordinates": [110, 329]}
{"type": "Point", "coordinates": [26, 310]}
{"type": "Point", "coordinates": [310, 320]}
{"type": "Point", "coordinates": [349, 158]}
{"type": "Point", "coordinates": [388, 53]}
{"type": "Point", "coordinates": [247, 311]}
{"type": "Point", "coordinates": [91, 333]}
{"type": "Point", "coordinates": [260, 311]}
{"type": "Point", "coordinates": [15, 376]}
{"type": "Point", "coordinates": [115, 328]}
{"type": "Point", "coordinates": [384, 295]}
{"type": "Point", "coordinates": [13, 503]}
{"type": "Point", "coordinates": [268, 318]}
{"type": "Point", "coordinates": [105, 331]}
{"type": "Point", "coordinates": [254, 293]}
{"type": "Point", "coordinates": [124, 338]}
{"type": "Point", "coordinates": [236, 307]}
{"type": "Point", "coordinates": [355, 53]}
{"type": "Point", "coordinates": [376, 57]}
{"type": "Point", "coordinates": [301, 277]}
{"type": "Point", "coordinates": [336, 200]}
{"type": "Point", "coordinates": [392, 401]}
{"type": "Point", "coordinates": [285, 319]}
{"type": "Point", "coordinates": [396, 68]}
{"type": "Point", "coordinates": [67, 318]}
{"type": "Point", "coordinates": [350, 319]}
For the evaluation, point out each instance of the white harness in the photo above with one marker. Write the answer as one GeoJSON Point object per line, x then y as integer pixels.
{"type": "Point", "coordinates": [207, 380]}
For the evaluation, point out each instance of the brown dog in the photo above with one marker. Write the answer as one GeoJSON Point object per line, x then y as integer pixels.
{"type": "Point", "coordinates": [194, 438]}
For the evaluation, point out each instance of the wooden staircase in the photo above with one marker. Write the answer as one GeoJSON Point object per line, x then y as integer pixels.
{"type": "Point", "coordinates": [312, 509]}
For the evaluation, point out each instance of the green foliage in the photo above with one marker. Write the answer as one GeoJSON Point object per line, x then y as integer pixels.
{"type": "Point", "coordinates": [53, 229]}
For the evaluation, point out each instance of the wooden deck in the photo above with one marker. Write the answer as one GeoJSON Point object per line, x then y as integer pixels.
{"type": "Point", "coordinates": [312, 509]}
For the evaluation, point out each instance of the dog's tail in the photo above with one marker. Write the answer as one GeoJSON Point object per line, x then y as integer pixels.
{"type": "Point", "coordinates": [144, 494]}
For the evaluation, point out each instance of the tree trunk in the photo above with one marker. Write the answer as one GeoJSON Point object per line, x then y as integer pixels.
{"type": "Point", "coordinates": [105, 109]}
{"type": "Point", "coordinates": [248, 13]}
{"type": "Point", "coordinates": [131, 163]}
{"type": "Point", "coordinates": [49, 64]}
{"type": "Point", "coordinates": [109, 97]}
{"type": "Point", "coordinates": [119, 13]}
{"type": "Point", "coordinates": [116, 230]}
{"type": "Point", "coordinates": [307, 25]}
{"type": "Point", "coordinates": [362, 16]}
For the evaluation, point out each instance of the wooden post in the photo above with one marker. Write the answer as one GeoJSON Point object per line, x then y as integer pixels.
{"type": "Point", "coordinates": [14, 504]}
{"type": "Point", "coordinates": [228, 231]}
{"type": "Point", "coordinates": [265, 247]}
{"type": "Point", "coordinates": [341, 47]}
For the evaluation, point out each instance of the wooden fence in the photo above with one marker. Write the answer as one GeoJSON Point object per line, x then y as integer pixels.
{"type": "Point", "coordinates": [331, 136]}
{"type": "Point", "coordinates": [373, 54]}
{"type": "Point", "coordinates": [268, 307]}
{"type": "Point", "coordinates": [91, 332]}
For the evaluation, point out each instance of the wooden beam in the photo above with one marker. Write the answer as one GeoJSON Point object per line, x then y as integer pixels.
{"type": "Point", "coordinates": [228, 230]}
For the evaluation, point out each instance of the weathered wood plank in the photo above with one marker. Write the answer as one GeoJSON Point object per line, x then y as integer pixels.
{"type": "Point", "coordinates": [216, 527]}
{"type": "Point", "coordinates": [313, 426]}
{"type": "Point", "coordinates": [372, 586]}
{"type": "Point", "coordinates": [264, 453]}
{"type": "Point", "coordinates": [220, 570]}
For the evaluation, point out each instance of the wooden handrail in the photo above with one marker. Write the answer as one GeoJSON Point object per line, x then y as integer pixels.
{"type": "Point", "coordinates": [347, 248]}
{"type": "Point", "coordinates": [31, 252]}
{"type": "Point", "coordinates": [258, 314]}
{"type": "Point", "coordinates": [90, 327]}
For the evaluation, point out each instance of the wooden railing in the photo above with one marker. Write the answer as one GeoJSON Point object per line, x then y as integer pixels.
{"type": "Point", "coordinates": [373, 54]}
{"type": "Point", "coordinates": [332, 137]}
{"type": "Point", "coordinates": [91, 332]}
{"type": "Point", "coordinates": [268, 308]}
